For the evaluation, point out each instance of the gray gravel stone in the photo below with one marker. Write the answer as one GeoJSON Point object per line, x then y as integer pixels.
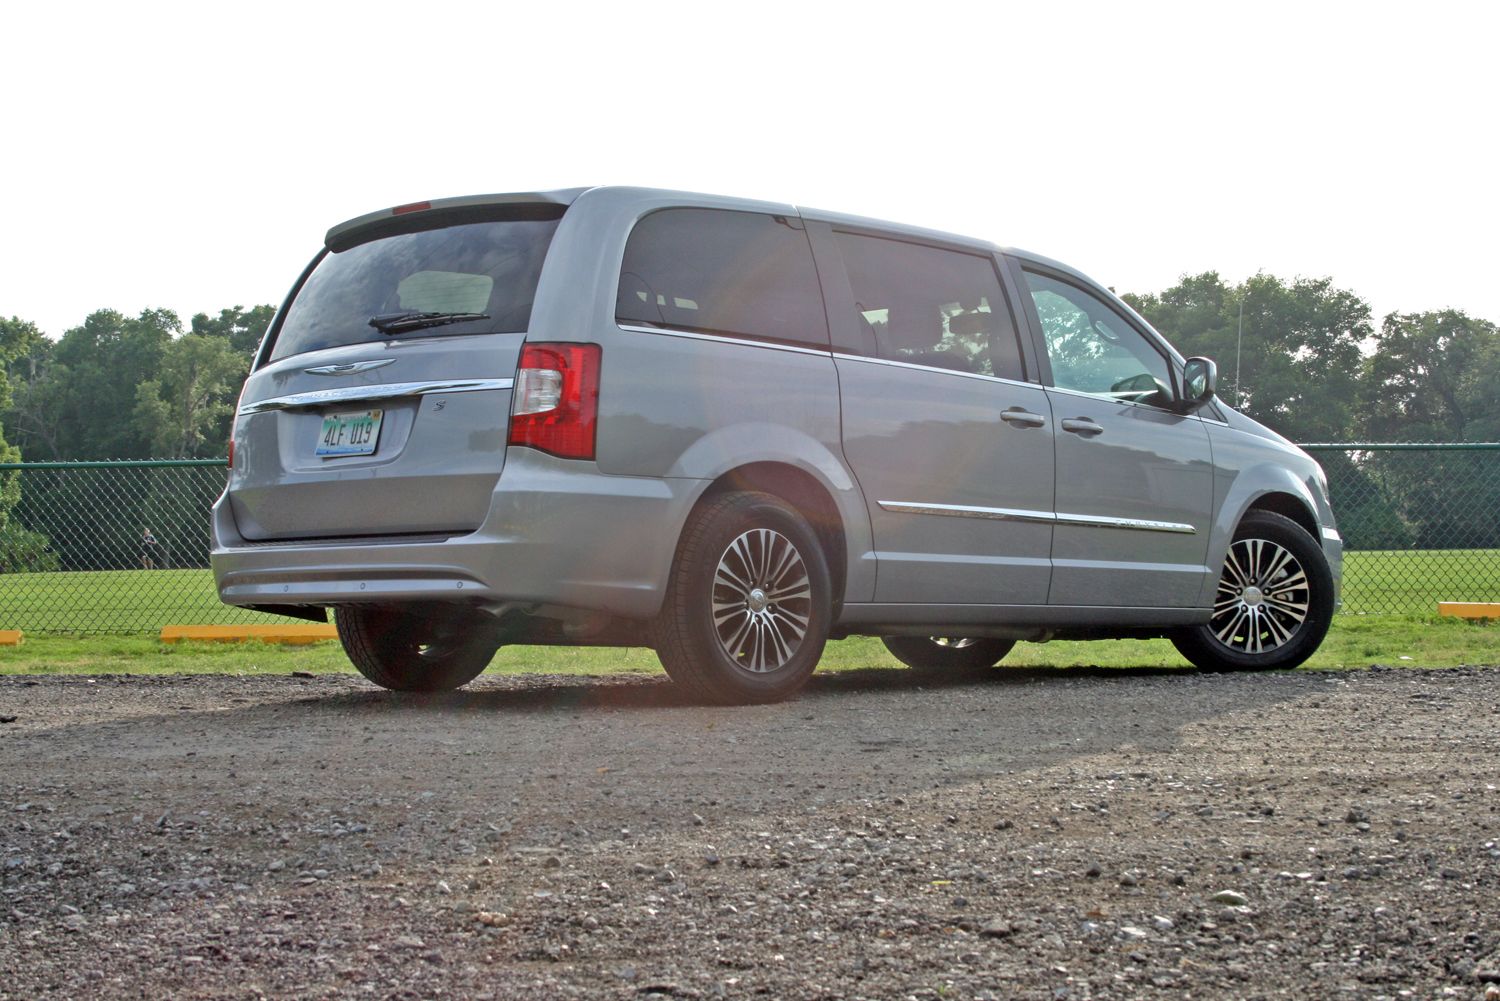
{"type": "Point", "coordinates": [825, 885]}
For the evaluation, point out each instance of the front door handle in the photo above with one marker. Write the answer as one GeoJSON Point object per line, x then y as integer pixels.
{"type": "Point", "coordinates": [1081, 425]}
{"type": "Point", "coordinates": [1017, 417]}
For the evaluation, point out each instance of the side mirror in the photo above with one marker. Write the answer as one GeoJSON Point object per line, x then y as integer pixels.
{"type": "Point", "coordinates": [1200, 376]}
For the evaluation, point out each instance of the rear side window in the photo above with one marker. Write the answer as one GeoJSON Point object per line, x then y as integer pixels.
{"type": "Point", "coordinates": [736, 274]}
{"type": "Point", "coordinates": [930, 306]}
{"type": "Point", "coordinates": [489, 268]}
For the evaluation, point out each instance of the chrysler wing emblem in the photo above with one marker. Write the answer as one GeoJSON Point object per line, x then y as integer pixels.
{"type": "Point", "coordinates": [349, 369]}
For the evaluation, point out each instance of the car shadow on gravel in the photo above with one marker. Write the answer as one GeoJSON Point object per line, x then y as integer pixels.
{"type": "Point", "coordinates": [541, 693]}
{"type": "Point", "coordinates": [889, 678]}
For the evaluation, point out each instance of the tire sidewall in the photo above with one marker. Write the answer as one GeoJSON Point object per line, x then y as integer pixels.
{"type": "Point", "coordinates": [924, 653]}
{"type": "Point", "coordinates": [720, 671]}
{"type": "Point", "coordinates": [379, 641]}
{"type": "Point", "coordinates": [1290, 536]}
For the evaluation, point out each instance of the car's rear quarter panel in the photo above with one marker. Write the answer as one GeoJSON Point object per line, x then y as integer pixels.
{"type": "Point", "coordinates": [688, 407]}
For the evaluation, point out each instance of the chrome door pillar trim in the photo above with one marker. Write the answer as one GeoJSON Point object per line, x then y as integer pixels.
{"type": "Point", "coordinates": [694, 335]}
{"type": "Point", "coordinates": [1037, 517]}
{"type": "Point", "coordinates": [372, 394]}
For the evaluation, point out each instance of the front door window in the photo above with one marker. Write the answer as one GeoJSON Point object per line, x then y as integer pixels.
{"type": "Point", "coordinates": [1092, 349]}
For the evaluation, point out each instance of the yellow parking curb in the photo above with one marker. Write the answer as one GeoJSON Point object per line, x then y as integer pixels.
{"type": "Point", "coordinates": [311, 633]}
{"type": "Point", "coordinates": [1470, 609]}
{"type": "Point", "coordinates": [11, 637]}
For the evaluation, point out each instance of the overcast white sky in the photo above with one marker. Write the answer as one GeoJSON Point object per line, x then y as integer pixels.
{"type": "Point", "coordinates": [192, 156]}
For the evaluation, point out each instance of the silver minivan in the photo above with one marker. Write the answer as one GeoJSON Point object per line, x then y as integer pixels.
{"type": "Point", "coordinates": [731, 430]}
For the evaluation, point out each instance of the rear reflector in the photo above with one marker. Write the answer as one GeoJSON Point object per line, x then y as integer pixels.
{"type": "Point", "coordinates": [412, 207]}
{"type": "Point", "coordinates": [555, 404]}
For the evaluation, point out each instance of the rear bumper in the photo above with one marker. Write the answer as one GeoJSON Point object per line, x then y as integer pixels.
{"type": "Point", "coordinates": [557, 532]}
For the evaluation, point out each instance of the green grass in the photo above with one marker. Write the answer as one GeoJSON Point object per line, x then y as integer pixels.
{"type": "Point", "coordinates": [1414, 581]}
{"type": "Point", "coordinates": [1354, 641]}
{"type": "Point", "coordinates": [146, 600]}
{"type": "Point", "coordinates": [109, 601]}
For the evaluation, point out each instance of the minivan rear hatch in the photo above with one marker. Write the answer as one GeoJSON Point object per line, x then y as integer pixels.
{"type": "Point", "coordinates": [381, 399]}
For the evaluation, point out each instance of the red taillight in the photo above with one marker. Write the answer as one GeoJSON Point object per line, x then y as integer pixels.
{"type": "Point", "coordinates": [411, 207]}
{"type": "Point", "coordinates": [555, 404]}
{"type": "Point", "coordinates": [231, 454]}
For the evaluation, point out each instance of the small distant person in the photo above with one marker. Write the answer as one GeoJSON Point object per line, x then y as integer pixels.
{"type": "Point", "coordinates": [149, 549]}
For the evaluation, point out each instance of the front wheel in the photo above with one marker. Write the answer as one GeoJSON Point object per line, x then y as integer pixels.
{"type": "Point", "coordinates": [1274, 602]}
{"type": "Point", "coordinates": [747, 607]}
{"type": "Point", "coordinates": [947, 654]}
{"type": "Point", "coordinates": [410, 653]}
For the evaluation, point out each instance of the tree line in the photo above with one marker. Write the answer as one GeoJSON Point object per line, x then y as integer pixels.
{"type": "Point", "coordinates": [121, 387]}
{"type": "Point", "coordinates": [1311, 364]}
{"type": "Point", "coordinates": [114, 387]}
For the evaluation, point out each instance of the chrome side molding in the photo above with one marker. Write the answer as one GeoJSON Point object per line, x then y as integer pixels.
{"type": "Point", "coordinates": [1035, 517]}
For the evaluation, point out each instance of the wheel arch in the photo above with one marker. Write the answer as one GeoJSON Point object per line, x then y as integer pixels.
{"type": "Point", "coordinates": [803, 491]}
{"type": "Point", "coordinates": [1288, 506]}
{"type": "Point", "coordinates": [1261, 488]}
{"type": "Point", "coordinates": [1247, 637]}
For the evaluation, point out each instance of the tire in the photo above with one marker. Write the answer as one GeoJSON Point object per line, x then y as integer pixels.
{"type": "Point", "coordinates": [747, 608]}
{"type": "Point", "coordinates": [1256, 627]}
{"type": "Point", "coordinates": [409, 653]}
{"type": "Point", "coordinates": [947, 654]}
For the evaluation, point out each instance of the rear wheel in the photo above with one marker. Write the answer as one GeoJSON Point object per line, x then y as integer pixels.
{"type": "Point", "coordinates": [1274, 601]}
{"type": "Point", "coordinates": [746, 613]}
{"type": "Point", "coordinates": [943, 654]}
{"type": "Point", "coordinates": [412, 653]}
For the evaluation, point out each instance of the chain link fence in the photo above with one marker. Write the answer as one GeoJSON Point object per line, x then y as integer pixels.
{"type": "Point", "coordinates": [109, 547]}
{"type": "Point", "coordinates": [1421, 523]}
{"type": "Point", "coordinates": [118, 547]}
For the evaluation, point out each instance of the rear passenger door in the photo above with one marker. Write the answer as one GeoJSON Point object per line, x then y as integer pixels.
{"type": "Point", "coordinates": [944, 426]}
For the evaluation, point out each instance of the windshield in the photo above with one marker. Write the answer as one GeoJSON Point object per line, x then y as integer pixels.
{"type": "Point", "coordinates": [480, 277]}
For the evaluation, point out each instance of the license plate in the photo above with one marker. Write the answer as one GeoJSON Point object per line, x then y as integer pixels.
{"type": "Point", "coordinates": [354, 433]}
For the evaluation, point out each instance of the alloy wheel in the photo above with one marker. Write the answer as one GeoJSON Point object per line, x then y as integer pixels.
{"type": "Point", "coordinates": [762, 600]}
{"type": "Point", "coordinates": [1263, 597]}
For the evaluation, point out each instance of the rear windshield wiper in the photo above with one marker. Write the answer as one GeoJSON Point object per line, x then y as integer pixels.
{"type": "Point", "coordinates": [395, 323]}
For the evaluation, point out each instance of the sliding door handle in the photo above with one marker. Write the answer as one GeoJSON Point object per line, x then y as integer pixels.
{"type": "Point", "coordinates": [1016, 417]}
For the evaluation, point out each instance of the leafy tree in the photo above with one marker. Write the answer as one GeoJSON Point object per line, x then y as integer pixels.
{"type": "Point", "coordinates": [242, 328]}
{"type": "Point", "coordinates": [1434, 377]}
{"type": "Point", "coordinates": [118, 387]}
{"type": "Point", "coordinates": [30, 417]}
{"type": "Point", "coordinates": [92, 376]}
{"type": "Point", "coordinates": [1301, 361]}
{"type": "Point", "coordinates": [25, 551]}
{"type": "Point", "coordinates": [16, 338]}
{"type": "Point", "coordinates": [182, 411]}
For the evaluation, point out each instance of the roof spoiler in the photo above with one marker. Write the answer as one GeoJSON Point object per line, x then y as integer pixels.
{"type": "Point", "coordinates": [417, 216]}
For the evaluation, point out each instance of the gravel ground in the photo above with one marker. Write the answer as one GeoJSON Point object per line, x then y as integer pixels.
{"type": "Point", "coordinates": [1038, 835]}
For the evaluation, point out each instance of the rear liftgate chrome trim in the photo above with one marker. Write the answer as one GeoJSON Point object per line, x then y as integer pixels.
{"type": "Point", "coordinates": [371, 394]}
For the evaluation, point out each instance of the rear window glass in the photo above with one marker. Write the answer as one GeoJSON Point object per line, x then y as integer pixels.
{"type": "Point", "coordinates": [737, 274]}
{"type": "Point", "coordinates": [930, 306]}
{"type": "Point", "coordinates": [482, 267]}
